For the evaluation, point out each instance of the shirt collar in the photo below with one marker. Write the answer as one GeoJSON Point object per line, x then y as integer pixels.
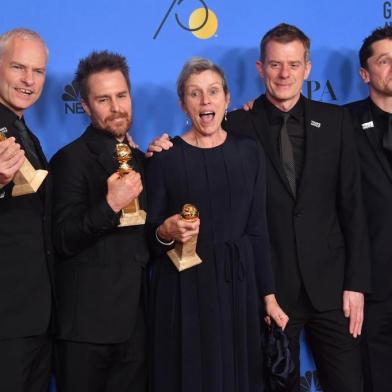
{"type": "Point", "coordinates": [275, 115]}
{"type": "Point", "coordinates": [7, 116]}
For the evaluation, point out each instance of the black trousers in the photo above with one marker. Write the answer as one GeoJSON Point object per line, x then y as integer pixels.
{"type": "Point", "coordinates": [25, 364]}
{"type": "Point", "coordinates": [377, 345]}
{"type": "Point", "coordinates": [89, 367]}
{"type": "Point", "coordinates": [336, 353]}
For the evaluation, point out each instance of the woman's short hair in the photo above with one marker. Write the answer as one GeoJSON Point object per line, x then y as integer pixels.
{"type": "Point", "coordinates": [197, 65]}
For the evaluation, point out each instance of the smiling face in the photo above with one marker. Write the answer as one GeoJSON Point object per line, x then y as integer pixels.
{"type": "Point", "coordinates": [378, 74]}
{"type": "Point", "coordinates": [284, 70]}
{"type": "Point", "coordinates": [22, 73]}
{"type": "Point", "coordinates": [109, 103]}
{"type": "Point", "coordinates": [205, 102]}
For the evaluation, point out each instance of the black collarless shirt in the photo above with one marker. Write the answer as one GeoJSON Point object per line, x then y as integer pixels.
{"type": "Point", "coordinates": [381, 123]}
{"type": "Point", "coordinates": [295, 129]}
{"type": "Point", "coordinates": [381, 120]}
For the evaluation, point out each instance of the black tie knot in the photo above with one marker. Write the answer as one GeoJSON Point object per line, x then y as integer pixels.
{"type": "Point", "coordinates": [285, 116]}
{"type": "Point", "coordinates": [20, 125]}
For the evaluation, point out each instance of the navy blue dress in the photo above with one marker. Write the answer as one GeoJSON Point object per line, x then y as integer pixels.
{"type": "Point", "coordinates": [206, 321]}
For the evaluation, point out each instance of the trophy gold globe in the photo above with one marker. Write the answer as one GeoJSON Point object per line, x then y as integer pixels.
{"type": "Point", "coordinates": [131, 215]}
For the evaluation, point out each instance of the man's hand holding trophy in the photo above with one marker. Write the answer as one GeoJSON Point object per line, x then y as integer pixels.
{"type": "Point", "coordinates": [124, 187]}
{"type": "Point", "coordinates": [27, 179]}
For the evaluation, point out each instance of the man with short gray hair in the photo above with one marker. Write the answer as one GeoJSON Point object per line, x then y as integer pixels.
{"type": "Point", "coordinates": [25, 289]}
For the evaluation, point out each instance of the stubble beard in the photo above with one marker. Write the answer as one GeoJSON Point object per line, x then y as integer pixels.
{"type": "Point", "coordinates": [118, 132]}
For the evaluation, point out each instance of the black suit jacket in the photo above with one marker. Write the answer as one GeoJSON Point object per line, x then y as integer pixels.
{"type": "Point", "coordinates": [99, 267]}
{"type": "Point", "coordinates": [25, 253]}
{"type": "Point", "coordinates": [318, 238]}
{"type": "Point", "coordinates": [377, 194]}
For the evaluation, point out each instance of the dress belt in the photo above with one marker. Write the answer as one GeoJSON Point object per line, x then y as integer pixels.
{"type": "Point", "coordinates": [234, 264]}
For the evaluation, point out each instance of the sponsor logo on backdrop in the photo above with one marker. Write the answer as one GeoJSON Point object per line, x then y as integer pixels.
{"type": "Point", "coordinates": [306, 382]}
{"type": "Point", "coordinates": [202, 22]}
{"type": "Point", "coordinates": [320, 91]}
{"type": "Point", "coordinates": [387, 12]}
{"type": "Point", "coordinates": [71, 98]}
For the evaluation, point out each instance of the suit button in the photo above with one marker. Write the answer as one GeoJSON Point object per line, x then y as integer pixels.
{"type": "Point", "coordinates": [297, 214]}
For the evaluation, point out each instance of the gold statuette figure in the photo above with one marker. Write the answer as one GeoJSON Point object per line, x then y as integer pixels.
{"type": "Point", "coordinates": [184, 255]}
{"type": "Point", "coordinates": [27, 179]}
{"type": "Point", "coordinates": [131, 215]}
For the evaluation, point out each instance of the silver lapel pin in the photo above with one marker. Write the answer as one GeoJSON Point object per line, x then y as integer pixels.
{"type": "Point", "coordinates": [315, 124]}
{"type": "Point", "coordinates": [3, 131]}
{"type": "Point", "coordinates": [367, 125]}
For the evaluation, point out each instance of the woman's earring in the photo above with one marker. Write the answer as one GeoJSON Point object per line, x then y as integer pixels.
{"type": "Point", "coordinates": [225, 114]}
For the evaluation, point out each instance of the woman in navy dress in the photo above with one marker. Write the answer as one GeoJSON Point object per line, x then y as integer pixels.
{"type": "Point", "coordinates": [206, 320]}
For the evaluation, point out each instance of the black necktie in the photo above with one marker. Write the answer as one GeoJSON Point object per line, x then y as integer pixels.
{"type": "Point", "coordinates": [28, 144]}
{"type": "Point", "coordinates": [387, 138]}
{"type": "Point", "coordinates": [286, 153]}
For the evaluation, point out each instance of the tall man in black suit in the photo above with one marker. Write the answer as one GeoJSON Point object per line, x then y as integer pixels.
{"type": "Point", "coordinates": [25, 290]}
{"type": "Point", "coordinates": [100, 266]}
{"type": "Point", "coordinates": [373, 132]}
{"type": "Point", "coordinates": [315, 214]}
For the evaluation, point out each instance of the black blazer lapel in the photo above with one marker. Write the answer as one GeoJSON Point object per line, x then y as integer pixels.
{"type": "Point", "coordinates": [98, 146]}
{"type": "Point", "coordinates": [38, 147]}
{"type": "Point", "coordinates": [45, 188]}
{"type": "Point", "coordinates": [313, 125]}
{"type": "Point", "coordinates": [368, 127]}
{"type": "Point", "coordinates": [260, 124]}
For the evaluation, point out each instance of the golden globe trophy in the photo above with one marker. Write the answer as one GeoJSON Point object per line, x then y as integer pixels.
{"type": "Point", "coordinates": [27, 179]}
{"type": "Point", "coordinates": [184, 255]}
{"type": "Point", "coordinates": [131, 215]}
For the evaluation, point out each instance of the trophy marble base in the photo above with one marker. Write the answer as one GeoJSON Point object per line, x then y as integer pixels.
{"type": "Point", "coordinates": [184, 256]}
{"type": "Point", "coordinates": [27, 179]}
{"type": "Point", "coordinates": [132, 215]}
{"type": "Point", "coordinates": [132, 218]}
